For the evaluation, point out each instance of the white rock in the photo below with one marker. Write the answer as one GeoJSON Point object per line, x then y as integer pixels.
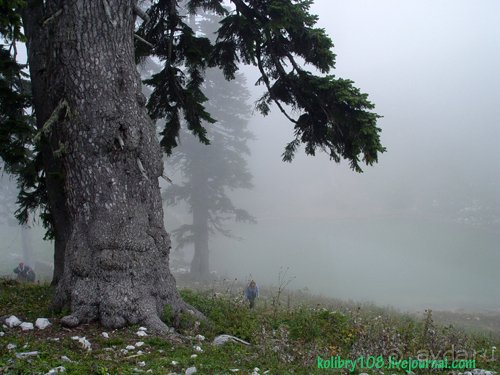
{"type": "Point", "coordinates": [141, 364]}
{"type": "Point", "coordinates": [42, 323]}
{"type": "Point", "coordinates": [12, 321]}
{"type": "Point", "coordinates": [141, 333]}
{"type": "Point", "coordinates": [256, 369]}
{"type": "Point", "coordinates": [130, 347]}
{"type": "Point", "coordinates": [56, 370]}
{"type": "Point", "coordinates": [223, 339]}
{"type": "Point", "coordinates": [198, 348]}
{"type": "Point", "coordinates": [139, 344]}
{"type": "Point", "coordinates": [175, 363]}
{"type": "Point", "coordinates": [26, 326]}
{"type": "Point", "coordinates": [26, 354]}
{"type": "Point", "coordinates": [66, 359]}
{"type": "Point", "coordinates": [11, 346]}
{"type": "Point", "coordinates": [143, 329]}
{"type": "Point", "coordinates": [234, 369]}
{"type": "Point", "coordinates": [2, 333]}
{"type": "Point", "coordinates": [75, 338]}
{"type": "Point", "coordinates": [194, 355]}
{"type": "Point", "coordinates": [139, 352]}
{"type": "Point", "coordinates": [105, 334]}
{"type": "Point", "coordinates": [85, 343]}
{"type": "Point", "coordinates": [124, 351]}
{"type": "Point", "coordinates": [190, 370]}
{"type": "Point", "coordinates": [200, 337]}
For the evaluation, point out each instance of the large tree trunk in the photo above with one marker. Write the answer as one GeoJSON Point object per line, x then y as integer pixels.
{"type": "Point", "coordinates": [39, 59]}
{"type": "Point", "coordinates": [116, 252]}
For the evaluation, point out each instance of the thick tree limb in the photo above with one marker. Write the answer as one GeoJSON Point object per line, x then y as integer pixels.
{"type": "Point", "coordinates": [143, 40]}
{"type": "Point", "coordinates": [140, 13]}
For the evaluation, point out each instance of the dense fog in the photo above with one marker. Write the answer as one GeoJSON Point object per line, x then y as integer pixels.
{"type": "Point", "coordinates": [420, 229]}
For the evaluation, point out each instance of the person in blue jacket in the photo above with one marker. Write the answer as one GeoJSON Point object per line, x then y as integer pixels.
{"type": "Point", "coordinates": [25, 273]}
{"type": "Point", "coordinates": [252, 292]}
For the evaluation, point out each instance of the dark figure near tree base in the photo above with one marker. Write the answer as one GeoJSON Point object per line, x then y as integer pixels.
{"type": "Point", "coordinates": [25, 273]}
{"type": "Point", "coordinates": [252, 292]}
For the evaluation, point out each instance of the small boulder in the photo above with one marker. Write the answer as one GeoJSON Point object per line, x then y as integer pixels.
{"type": "Point", "coordinates": [190, 371]}
{"type": "Point", "coordinates": [26, 326]}
{"type": "Point", "coordinates": [42, 323]}
{"type": "Point", "coordinates": [70, 321]}
{"type": "Point", "coordinates": [12, 321]}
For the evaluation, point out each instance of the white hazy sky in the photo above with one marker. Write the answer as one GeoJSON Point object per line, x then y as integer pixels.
{"type": "Point", "coordinates": [432, 70]}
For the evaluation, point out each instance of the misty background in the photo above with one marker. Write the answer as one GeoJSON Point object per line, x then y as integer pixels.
{"type": "Point", "coordinates": [420, 229]}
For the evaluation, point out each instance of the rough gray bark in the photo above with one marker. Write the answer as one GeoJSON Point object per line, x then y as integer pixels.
{"type": "Point", "coordinates": [39, 60]}
{"type": "Point", "coordinates": [116, 252]}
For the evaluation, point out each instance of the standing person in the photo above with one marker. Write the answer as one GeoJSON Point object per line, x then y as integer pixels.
{"type": "Point", "coordinates": [252, 292]}
{"type": "Point", "coordinates": [25, 273]}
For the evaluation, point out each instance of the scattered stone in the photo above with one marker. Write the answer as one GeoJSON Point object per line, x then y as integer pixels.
{"type": "Point", "coordinates": [11, 346]}
{"type": "Point", "coordinates": [82, 340]}
{"type": "Point", "coordinates": [139, 352]}
{"type": "Point", "coordinates": [56, 370]}
{"type": "Point", "coordinates": [66, 359]}
{"type": "Point", "coordinates": [143, 329]}
{"type": "Point", "coordinates": [256, 369]}
{"type": "Point", "coordinates": [137, 370]}
{"type": "Point", "coordinates": [70, 321]}
{"type": "Point", "coordinates": [234, 369]}
{"type": "Point", "coordinates": [200, 337]}
{"type": "Point", "coordinates": [130, 347]}
{"type": "Point", "coordinates": [141, 333]}
{"type": "Point", "coordinates": [124, 351]}
{"type": "Point", "coordinates": [2, 333]}
{"type": "Point", "coordinates": [42, 323]}
{"type": "Point", "coordinates": [194, 355]}
{"type": "Point", "coordinates": [139, 344]}
{"type": "Point", "coordinates": [12, 321]}
{"type": "Point", "coordinates": [27, 354]}
{"type": "Point", "coordinates": [223, 339]}
{"type": "Point", "coordinates": [26, 326]}
{"type": "Point", "coordinates": [141, 364]}
{"type": "Point", "coordinates": [198, 348]}
{"type": "Point", "coordinates": [190, 370]}
{"type": "Point", "coordinates": [175, 363]}
{"type": "Point", "coordinates": [105, 334]}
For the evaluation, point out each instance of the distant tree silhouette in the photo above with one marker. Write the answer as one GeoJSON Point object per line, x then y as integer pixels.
{"type": "Point", "coordinates": [210, 171]}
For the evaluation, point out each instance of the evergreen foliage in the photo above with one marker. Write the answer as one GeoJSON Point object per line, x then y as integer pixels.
{"type": "Point", "coordinates": [209, 172]}
{"type": "Point", "coordinates": [18, 148]}
{"type": "Point", "coordinates": [275, 35]}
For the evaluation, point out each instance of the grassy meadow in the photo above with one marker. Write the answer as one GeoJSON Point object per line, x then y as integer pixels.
{"type": "Point", "coordinates": [289, 332]}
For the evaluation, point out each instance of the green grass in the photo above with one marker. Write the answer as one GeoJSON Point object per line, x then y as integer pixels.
{"type": "Point", "coordinates": [284, 340]}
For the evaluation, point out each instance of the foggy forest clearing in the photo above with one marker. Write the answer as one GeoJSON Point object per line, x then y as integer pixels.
{"type": "Point", "coordinates": [288, 331]}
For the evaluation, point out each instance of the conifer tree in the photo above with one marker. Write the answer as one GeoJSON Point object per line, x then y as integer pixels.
{"type": "Point", "coordinates": [95, 160]}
